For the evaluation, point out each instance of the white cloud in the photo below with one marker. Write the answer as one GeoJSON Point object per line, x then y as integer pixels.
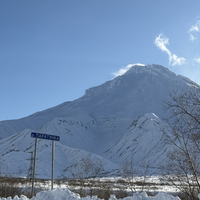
{"type": "Point", "coordinates": [123, 70]}
{"type": "Point", "coordinates": [194, 30]}
{"type": "Point", "coordinates": [161, 41]}
{"type": "Point", "coordinates": [196, 60]}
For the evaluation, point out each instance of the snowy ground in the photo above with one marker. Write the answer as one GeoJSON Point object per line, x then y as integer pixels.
{"type": "Point", "coordinates": [60, 192]}
{"type": "Point", "coordinates": [65, 194]}
{"type": "Point", "coordinates": [153, 184]}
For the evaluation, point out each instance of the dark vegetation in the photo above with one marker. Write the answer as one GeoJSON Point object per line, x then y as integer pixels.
{"type": "Point", "coordinates": [11, 186]}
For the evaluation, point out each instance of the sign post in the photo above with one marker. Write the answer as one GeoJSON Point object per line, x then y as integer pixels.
{"type": "Point", "coordinates": [46, 137]}
{"type": "Point", "coordinates": [52, 164]}
{"type": "Point", "coordinates": [33, 179]}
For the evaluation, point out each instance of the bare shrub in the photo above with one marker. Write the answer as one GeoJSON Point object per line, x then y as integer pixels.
{"type": "Point", "coordinates": [85, 173]}
{"type": "Point", "coordinates": [129, 173]}
{"type": "Point", "coordinates": [182, 167]}
{"type": "Point", "coordinates": [9, 187]}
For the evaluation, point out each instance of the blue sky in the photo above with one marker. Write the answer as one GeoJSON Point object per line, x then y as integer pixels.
{"type": "Point", "coordinates": [51, 51]}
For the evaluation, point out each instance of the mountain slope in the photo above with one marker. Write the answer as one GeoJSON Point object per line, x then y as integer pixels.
{"type": "Point", "coordinates": [109, 122]}
{"type": "Point", "coordinates": [16, 154]}
{"type": "Point", "coordinates": [140, 90]}
{"type": "Point", "coordinates": [143, 141]}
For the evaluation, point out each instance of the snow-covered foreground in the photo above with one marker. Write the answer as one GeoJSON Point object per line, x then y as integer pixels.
{"type": "Point", "coordinates": [65, 194]}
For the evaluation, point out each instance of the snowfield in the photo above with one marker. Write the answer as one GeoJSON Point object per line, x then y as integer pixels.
{"type": "Point", "coordinates": [65, 194]}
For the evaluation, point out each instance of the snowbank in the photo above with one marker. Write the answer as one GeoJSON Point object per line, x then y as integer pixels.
{"type": "Point", "coordinates": [22, 197]}
{"type": "Point", "coordinates": [65, 194]}
{"type": "Point", "coordinates": [56, 194]}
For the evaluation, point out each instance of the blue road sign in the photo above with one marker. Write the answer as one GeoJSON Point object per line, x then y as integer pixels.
{"type": "Point", "coordinates": [45, 136]}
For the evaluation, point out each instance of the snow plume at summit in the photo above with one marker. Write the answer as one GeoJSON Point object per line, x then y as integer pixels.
{"type": "Point", "coordinates": [123, 70]}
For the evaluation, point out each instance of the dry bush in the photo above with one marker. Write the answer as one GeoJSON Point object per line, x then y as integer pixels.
{"type": "Point", "coordinates": [182, 166]}
{"type": "Point", "coordinates": [85, 173]}
{"type": "Point", "coordinates": [120, 194]}
{"type": "Point", "coordinates": [9, 187]}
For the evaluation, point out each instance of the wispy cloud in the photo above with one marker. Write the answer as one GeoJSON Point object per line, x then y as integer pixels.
{"type": "Point", "coordinates": [123, 70]}
{"type": "Point", "coordinates": [196, 59]}
{"type": "Point", "coordinates": [194, 30]}
{"type": "Point", "coordinates": [161, 41]}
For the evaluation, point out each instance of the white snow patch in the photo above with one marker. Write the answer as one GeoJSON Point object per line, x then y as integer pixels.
{"type": "Point", "coordinates": [65, 194]}
{"type": "Point", "coordinates": [123, 70]}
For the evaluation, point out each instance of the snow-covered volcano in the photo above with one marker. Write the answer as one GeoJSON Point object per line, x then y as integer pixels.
{"type": "Point", "coordinates": [99, 123]}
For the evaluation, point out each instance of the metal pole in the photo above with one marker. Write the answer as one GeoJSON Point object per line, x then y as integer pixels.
{"type": "Point", "coordinates": [33, 180]}
{"type": "Point", "coordinates": [52, 164]}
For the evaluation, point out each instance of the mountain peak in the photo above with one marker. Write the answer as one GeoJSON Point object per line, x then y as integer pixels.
{"type": "Point", "coordinates": [137, 75]}
{"type": "Point", "coordinates": [149, 68]}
